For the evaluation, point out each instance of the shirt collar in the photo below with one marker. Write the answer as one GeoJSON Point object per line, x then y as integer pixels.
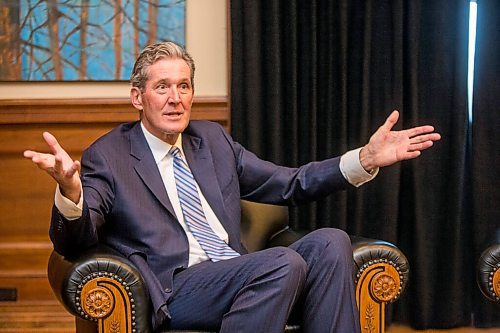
{"type": "Point", "coordinates": [158, 147]}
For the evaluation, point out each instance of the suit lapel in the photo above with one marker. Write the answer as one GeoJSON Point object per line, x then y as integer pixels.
{"type": "Point", "coordinates": [201, 164]}
{"type": "Point", "coordinates": [146, 167]}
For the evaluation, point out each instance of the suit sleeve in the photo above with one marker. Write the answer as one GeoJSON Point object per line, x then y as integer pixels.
{"type": "Point", "coordinates": [266, 182]}
{"type": "Point", "coordinates": [73, 236]}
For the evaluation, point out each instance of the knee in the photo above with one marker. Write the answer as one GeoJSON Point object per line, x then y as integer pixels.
{"type": "Point", "coordinates": [336, 244]}
{"type": "Point", "coordinates": [336, 236]}
{"type": "Point", "coordinates": [289, 265]}
{"type": "Point", "coordinates": [292, 261]}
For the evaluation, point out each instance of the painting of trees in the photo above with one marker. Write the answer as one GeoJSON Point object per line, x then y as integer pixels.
{"type": "Point", "coordinates": [65, 40]}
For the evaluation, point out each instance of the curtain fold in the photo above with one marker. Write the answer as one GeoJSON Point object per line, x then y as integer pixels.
{"type": "Point", "coordinates": [486, 147]}
{"type": "Point", "coordinates": [313, 79]}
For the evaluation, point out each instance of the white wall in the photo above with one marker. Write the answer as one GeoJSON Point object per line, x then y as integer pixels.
{"type": "Point", "coordinates": [206, 40]}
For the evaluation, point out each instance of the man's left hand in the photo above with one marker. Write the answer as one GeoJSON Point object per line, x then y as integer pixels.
{"type": "Point", "coordinates": [387, 147]}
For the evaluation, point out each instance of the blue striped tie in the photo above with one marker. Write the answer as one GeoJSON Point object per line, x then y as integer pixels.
{"type": "Point", "coordinates": [187, 190]}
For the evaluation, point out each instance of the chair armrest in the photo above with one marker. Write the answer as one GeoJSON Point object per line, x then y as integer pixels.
{"type": "Point", "coordinates": [386, 259]}
{"type": "Point", "coordinates": [381, 273]}
{"type": "Point", "coordinates": [102, 286]}
{"type": "Point", "coordinates": [488, 273]}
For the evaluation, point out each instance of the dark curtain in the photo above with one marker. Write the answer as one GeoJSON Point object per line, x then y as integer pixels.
{"type": "Point", "coordinates": [312, 79]}
{"type": "Point", "coordinates": [486, 146]}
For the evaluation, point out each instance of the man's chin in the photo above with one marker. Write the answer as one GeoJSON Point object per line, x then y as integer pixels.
{"type": "Point", "coordinates": [174, 131]}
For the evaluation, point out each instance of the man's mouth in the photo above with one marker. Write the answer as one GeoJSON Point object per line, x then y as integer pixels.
{"type": "Point", "coordinates": [173, 114]}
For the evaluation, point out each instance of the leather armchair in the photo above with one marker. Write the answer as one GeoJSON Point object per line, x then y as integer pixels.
{"type": "Point", "coordinates": [106, 293]}
{"type": "Point", "coordinates": [488, 273]}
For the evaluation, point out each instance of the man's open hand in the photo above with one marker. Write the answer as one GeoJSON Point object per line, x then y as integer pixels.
{"type": "Point", "coordinates": [59, 165]}
{"type": "Point", "coordinates": [387, 147]}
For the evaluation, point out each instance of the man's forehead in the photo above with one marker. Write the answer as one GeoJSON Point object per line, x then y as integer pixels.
{"type": "Point", "coordinates": [169, 68]}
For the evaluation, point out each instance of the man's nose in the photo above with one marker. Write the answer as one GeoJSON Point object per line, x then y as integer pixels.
{"type": "Point", "coordinates": [174, 96]}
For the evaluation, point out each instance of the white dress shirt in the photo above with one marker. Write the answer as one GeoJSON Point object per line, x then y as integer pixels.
{"type": "Point", "coordinates": [350, 167]}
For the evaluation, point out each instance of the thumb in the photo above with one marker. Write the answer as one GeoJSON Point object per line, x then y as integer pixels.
{"type": "Point", "coordinates": [51, 140]}
{"type": "Point", "coordinates": [391, 120]}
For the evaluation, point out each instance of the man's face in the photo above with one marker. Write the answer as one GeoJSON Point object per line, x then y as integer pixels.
{"type": "Point", "coordinates": [166, 100]}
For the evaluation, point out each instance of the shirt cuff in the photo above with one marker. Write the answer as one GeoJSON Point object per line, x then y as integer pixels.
{"type": "Point", "coordinates": [353, 171]}
{"type": "Point", "coordinates": [66, 207]}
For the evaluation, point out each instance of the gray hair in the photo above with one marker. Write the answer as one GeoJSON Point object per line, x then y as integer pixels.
{"type": "Point", "coordinates": [154, 52]}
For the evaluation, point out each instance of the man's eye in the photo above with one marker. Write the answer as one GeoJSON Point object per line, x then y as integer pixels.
{"type": "Point", "coordinates": [161, 87]}
{"type": "Point", "coordinates": [184, 87]}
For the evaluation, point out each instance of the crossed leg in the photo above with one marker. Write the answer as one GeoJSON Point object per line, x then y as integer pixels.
{"type": "Point", "coordinates": [257, 292]}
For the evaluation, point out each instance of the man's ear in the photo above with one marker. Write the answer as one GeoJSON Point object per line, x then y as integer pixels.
{"type": "Point", "coordinates": [136, 98]}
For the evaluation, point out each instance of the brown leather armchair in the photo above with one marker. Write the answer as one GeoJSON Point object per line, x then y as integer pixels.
{"type": "Point", "coordinates": [488, 272]}
{"type": "Point", "coordinates": [106, 293]}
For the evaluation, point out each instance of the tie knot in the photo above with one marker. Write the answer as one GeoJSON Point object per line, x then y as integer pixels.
{"type": "Point", "coordinates": [175, 151]}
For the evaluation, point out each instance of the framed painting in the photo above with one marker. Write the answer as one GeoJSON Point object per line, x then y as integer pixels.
{"type": "Point", "coordinates": [82, 40]}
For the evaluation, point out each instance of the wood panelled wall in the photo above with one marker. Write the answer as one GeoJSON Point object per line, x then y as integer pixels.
{"type": "Point", "coordinates": [26, 193]}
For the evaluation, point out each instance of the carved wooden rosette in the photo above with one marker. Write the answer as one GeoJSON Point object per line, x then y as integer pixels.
{"type": "Point", "coordinates": [107, 300]}
{"type": "Point", "coordinates": [495, 283]}
{"type": "Point", "coordinates": [378, 282]}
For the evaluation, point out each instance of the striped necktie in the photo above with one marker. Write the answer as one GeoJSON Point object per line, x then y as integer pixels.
{"type": "Point", "coordinates": [194, 217]}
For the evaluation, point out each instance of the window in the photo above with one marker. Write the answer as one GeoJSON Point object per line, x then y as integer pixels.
{"type": "Point", "coordinates": [472, 51]}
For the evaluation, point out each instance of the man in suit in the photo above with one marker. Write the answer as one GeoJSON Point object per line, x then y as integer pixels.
{"type": "Point", "coordinates": [132, 196]}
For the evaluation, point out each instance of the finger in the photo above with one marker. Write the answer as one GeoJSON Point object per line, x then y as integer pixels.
{"type": "Point", "coordinates": [411, 132]}
{"type": "Point", "coordinates": [43, 161]}
{"type": "Point", "coordinates": [36, 157]}
{"type": "Point", "coordinates": [58, 164]}
{"type": "Point", "coordinates": [29, 153]}
{"type": "Point", "coordinates": [420, 146]}
{"type": "Point", "coordinates": [435, 137]}
{"type": "Point", "coordinates": [75, 167]}
{"type": "Point", "coordinates": [425, 137]}
{"type": "Point", "coordinates": [412, 154]}
{"type": "Point", "coordinates": [32, 155]}
{"type": "Point", "coordinates": [52, 142]}
{"type": "Point", "coordinates": [391, 120]}
{"type": "Point", "coordinates": [39, 159]}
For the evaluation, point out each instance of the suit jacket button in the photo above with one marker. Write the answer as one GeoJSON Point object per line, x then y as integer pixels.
{"type": "Point", "coordinates": [168, 290]}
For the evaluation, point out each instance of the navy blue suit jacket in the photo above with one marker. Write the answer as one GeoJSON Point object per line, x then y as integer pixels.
{"type": "Point", "coordinates": [126, 205]}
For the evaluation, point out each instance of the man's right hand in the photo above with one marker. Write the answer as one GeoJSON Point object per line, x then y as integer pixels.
{"type": "Point", "coordinates": [59, 166]}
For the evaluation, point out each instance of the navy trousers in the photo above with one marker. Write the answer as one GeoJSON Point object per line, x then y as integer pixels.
{"type": "Point", "coordinates": [257, 292]}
